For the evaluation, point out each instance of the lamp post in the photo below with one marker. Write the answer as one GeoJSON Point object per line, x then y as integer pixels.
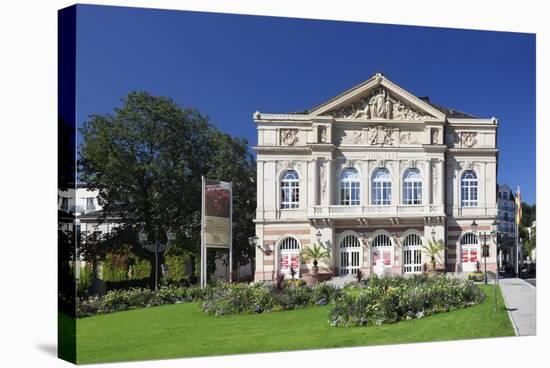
{"type": "Point", "coordinates": [318, 236]}
{"type": "Point", "coordinates": [495, 234]}
{"type": "Point", "coordinates": [156, 247]}
{"type": "Point", "coordinates": [485, 249]}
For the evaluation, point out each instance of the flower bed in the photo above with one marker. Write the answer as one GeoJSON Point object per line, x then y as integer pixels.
{"type": "Point", "coordinates": [219, 299]}
{"type": "Point", "coordinates": [376, 301]}
{"type": "Point", "coordinates": [258, 298]}
{"type": "Point", "coordinates": [120, 300]}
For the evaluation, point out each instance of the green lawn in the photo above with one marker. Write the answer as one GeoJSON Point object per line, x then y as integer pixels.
{"type": "Point", "coordinates": [183, 330]}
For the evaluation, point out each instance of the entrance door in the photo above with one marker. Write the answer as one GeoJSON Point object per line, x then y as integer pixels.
{"type": "Point", "coordinates": [289, 257]}
{"type": "Point", "coordinates": [382, 254]}
{"type": "Point", "coordinates": [412, 254]}
{"type": "Point", "coordinates": [350, 250]}
{"type": "Point", "coordinates": [470, 252]}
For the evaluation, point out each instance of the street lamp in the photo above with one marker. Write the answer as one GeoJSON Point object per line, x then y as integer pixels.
{"type": "Point", "coordinates": [494, 233]}
{"type": "Point", "coordinates": [485, 249]}
{"type": "Point", "coordinates": [318, 235]}
{"type": "Point", "coordinates": [156, 247]}
{"type": "Point", "coordinates": [253, 241]}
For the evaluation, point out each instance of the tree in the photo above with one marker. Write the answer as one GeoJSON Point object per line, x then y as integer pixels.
{"type": "Point", "coordinates": [147, 160]}
{"type": "Point", "coordinates": [316, 253]}
{"type": "Point", "coordinates": [433, 249]}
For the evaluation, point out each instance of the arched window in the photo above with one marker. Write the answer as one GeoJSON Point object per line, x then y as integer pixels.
{"type": "Point", "coordinates": [381, 187]}
{"type": "Point", "coordinates": [350, 249]}
{"type": "Point", "coordinates": [290, 189]}
{"type": "Point", "coordinates": [350, 188]}
{"type": "Point", "coordinates": [382, 250]}
{"type": "Point", "coordinates": [289, 256]}
{"type": "Point", "coordinates": [412, 187]}
{"type": "Point", "coordinates": [468, 189]}
{"type": "Point", "coordinates": [412, 254]}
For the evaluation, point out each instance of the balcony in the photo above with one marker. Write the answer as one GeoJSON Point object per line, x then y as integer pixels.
{"type": "Point", "coordinates": [337, 211]}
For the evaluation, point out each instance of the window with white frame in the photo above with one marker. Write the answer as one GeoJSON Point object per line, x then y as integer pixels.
{"type": "Point", "coordinates": [290, 189]}
{"type": "Point", "coordinates": [469, 188]}
{"type": "Point", "coordinates": [412, 187]}
{"type": "Point", "coordinates": [381, 187]}
{"type": "Point", "coordinates": [350, 187]}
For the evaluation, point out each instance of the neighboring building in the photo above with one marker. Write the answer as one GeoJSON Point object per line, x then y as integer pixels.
{"type": "Point", "coordinates": [506, 211]}
{"type": "Point", "coordinates": [378, 173]}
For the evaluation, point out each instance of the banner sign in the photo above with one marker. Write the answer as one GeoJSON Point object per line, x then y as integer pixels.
{"type": "Point", "coordinates": [217, 213]}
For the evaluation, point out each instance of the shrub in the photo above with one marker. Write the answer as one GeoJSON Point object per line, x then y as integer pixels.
{"type": "Point", "coordinates": [391, 299]}
{"type": "Point", "coordinates": [238, 298]}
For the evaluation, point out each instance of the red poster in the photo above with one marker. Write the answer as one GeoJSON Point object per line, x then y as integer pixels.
{"type": "Point", "coordinates": [387, 258]}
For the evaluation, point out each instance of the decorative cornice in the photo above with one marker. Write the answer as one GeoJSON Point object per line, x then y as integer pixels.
{"type": "Point", "coordinates": [473, 150]}
{"type": "Point", "coordinates": [282, 149]}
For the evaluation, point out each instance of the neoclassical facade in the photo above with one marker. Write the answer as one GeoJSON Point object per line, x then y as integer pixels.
{"type": "Point", "coordinates": [374, 174]}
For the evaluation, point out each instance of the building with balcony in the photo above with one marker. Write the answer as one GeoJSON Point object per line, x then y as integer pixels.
{"type": "Point", "coordinates": [506, 205]}
{"type": "Point", "coordinates": [374, 174]}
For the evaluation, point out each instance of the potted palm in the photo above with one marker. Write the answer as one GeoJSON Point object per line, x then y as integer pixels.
{"type": "Point", "coordinates": [433, 249]}
{"type": "Point", "coordinates": [316, 253]}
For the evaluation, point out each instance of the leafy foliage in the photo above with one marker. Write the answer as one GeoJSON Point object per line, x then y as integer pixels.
{"type": "Point", "coordinates": [376, 301]}
{"type": "Point", "coordinates": [433, 249]}
{"type": "Point", "coordinates": [315, 253]}
{"type": "Point", "coordinates": [147, 160]}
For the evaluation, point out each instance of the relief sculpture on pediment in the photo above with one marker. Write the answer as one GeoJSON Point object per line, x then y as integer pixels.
{"type": "Point", "coordinates": [378, 105]}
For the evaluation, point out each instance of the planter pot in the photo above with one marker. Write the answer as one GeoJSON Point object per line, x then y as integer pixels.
{"type": "Point", "coordinates": [312, 279]}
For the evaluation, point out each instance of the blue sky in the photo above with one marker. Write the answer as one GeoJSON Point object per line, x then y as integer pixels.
{"type": "Point", "coordinates": [229, 66]}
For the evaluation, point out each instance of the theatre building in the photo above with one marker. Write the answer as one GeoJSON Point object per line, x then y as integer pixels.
{"type": "Point", "coordinates": [374, 174]}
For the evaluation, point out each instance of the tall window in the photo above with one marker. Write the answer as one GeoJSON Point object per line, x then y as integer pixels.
{"type": "Point", "coordinates": [290, 189]}
{"type": "Point", "coordinates": [350, 188]}
{"type": "Point", "coordinates": [468, 190]}
{"type": "Point", "coordinates": [412, 187]}
{"type": "Point", "coordinates": [381, 187]}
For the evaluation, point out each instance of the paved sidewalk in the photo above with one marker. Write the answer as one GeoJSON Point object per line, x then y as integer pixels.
{"type": "Point", "coordinates": [520, 298]}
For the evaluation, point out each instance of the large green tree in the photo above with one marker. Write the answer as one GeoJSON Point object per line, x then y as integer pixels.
{"type": "Point", "coordinates": [147, 159]}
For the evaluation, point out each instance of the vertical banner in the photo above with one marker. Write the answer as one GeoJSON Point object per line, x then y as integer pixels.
{"type": "Point", "coordinates": [217, 214]}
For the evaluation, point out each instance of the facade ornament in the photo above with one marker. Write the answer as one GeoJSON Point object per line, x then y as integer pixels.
{"type": "Point", "coordinates": [378, 105]}
{"type": "Point", "coordinates": [468, 165]}
{"type": "Point", "coordinates": [352, 137]}
{"type": "Point", "coordinates": [322, 134]}
{"type": "Point", "coordinates": [288, 165]}
{"type": "Point", "coordinates": [257, 115]}
{"type": "Point", "coordinates": [408, 138]}
{"type": "Point", "coordinates": [351, 163]}
{"type": "Point", "coordinates": [413, 164]}
{"type": "Point", "coordinates": [323, 181]}
{"type": "Point", "coordinates": [435, 177]}
{"type": "Point", "coordinates": [469, 139]}
{"type": "Point", "coordinates": [381, 163]}
{"type": "Point", "coordinates": [289, 137]}
{"type": "Point", "coordinates": [380, 135]}
{"type": "Point", "coordinates": [435, 136]}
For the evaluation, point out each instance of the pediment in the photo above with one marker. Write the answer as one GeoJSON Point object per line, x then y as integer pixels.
{"type": "Point", "coordinates": [378, 99]}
